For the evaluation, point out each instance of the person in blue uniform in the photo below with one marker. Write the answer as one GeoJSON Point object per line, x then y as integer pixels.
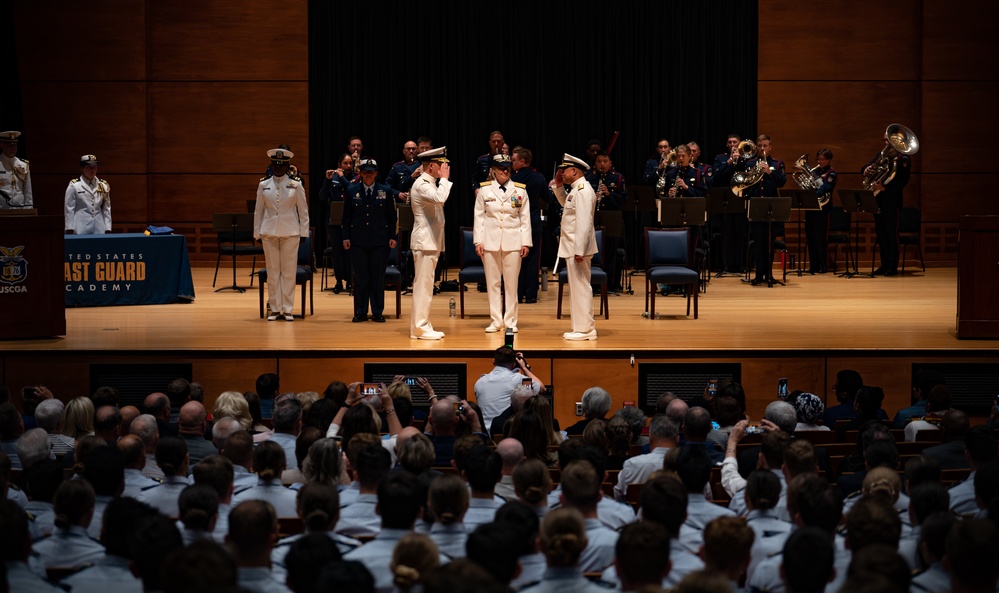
{"type": "Point", "coordinates": [402, 174]}
{"type": "Point", "coordinates": [685, 180]}
{"type": "Point", "coordinates": [889, 199]}
{"type": "Point", "coordinates": [537, 192]}
{"type": "Point", "coordinates": [611, 193]}
{"type": "Point", "coordinates": [482, 164]}
{"type": "Point", "coordinates": [368, 232]}
{"type": "Point", "coordinates": [656, 166]}
{"type": "Point", "coordinates": [817, 221]}
{"type": "Point", "coordinates": [334, 187]}
{"type": "Point", "coordinates": [731, 228]}
{"type": "Point", "coordinates": [706, 170]}
{"type": "Point", "coordinates": [774, 177]}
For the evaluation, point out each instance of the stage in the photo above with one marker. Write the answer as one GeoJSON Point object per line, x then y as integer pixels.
{"type": "Point", "coordinates": [805, 331]}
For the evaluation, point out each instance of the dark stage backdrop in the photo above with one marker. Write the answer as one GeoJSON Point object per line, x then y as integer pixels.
{"type": "Point", "coordinates": [547, 75]}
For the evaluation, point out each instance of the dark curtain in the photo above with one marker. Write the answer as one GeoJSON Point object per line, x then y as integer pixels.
{"type": "Point", "coordinates": [546, 74]}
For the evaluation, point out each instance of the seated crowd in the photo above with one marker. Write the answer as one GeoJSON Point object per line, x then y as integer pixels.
{"type": "Point", "coordinates": [309, 492]}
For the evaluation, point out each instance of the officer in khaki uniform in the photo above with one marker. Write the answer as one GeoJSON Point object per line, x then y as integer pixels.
{"type": "Point", "coordinates": [427, 199]}
{"type": "Point", "coordinates": [502, 237]}
{"type": "Point", "coordinates": [577, 243]}
{"type": "Point", "coordinates": [281, 222]}
{"type": "Point", "coordinates": [88, 201]}
{"type": "Point", "coordinates": [15, 179]}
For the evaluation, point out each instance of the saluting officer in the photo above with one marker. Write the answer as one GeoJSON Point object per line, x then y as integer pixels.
{"type": "Point", "coordinates": [281, 222]}
{"type": "Point", "coordinates": [577, 243]}
{"type": "Point", "coordinates": [427, 241]}
{"type": "Point", "coordinates": [368, 236]}
{"type": "Point", "coordinates": [502, 237]}
{"type": "Point", "coordinates": [15, 179]}
{"type": "Point", "coordinates": [88, 201]}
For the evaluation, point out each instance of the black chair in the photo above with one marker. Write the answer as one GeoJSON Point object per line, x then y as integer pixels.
{"type": "Point", "coordinates": [303, 274]}
{"type": "Point", "coordinates": [910, 232]}
{"type": "Point", "coordinates": [471, 268]}
{"type": "Point", "coordinates": [235, 239]}
{"type": "Point", "coordinates": [839, 234]}
{"type": "Point", "coordinates": [598, 277]}
{"type": "Point", "coordinates": [393, 278]}
{"type": "Point", "coordinates": [668, 261]}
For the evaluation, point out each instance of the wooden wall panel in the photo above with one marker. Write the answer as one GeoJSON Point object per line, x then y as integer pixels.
{"type": "Point", "coordinates": [228, 40]}
{"type": "Point", "coordinates": [959, 41]}
{"type": "Point", "coordinates": [194, 198]}
{"type": "Point", "coordinates": [229, 374]}
{"type": "Point", "coordinates": [226, 127]}
{"type": "Point", "coordinates": [61, 40]}
{"type": "Point", "coordinates": [945, 198]}
{"type": "Point", "coordinates": [839, 40]}
{"type": "Point", "coordinates": [959, 126]}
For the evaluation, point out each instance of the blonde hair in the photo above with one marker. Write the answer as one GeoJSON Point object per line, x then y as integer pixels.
{"type": "Point", "coordinates": [563, 537]}
{"type": "Point", "coordinates": [79, 418]}
{"type": "Point", "coordinates": [414, 556]}
{"type": "Point", "coordinates": [234, 405]}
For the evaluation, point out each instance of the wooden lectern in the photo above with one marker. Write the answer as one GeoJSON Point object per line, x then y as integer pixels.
{"type": "Point", "coordinates": [978, 277]}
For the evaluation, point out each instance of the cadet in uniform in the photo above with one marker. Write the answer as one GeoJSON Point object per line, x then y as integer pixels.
{"type": "Point", "coordinates": [502, 237]}
{"type": "Point", "coordinates": [484, 162]}
{"type": "Point", "coordinates": [685, 180]}
{"type": "Point", "coordinates": [609, 187]}
{"type": "Point", "coordinates": [703, 168]}
{"type": "Point", "coordinates": [281, 222]}
{"type": "Point", "coordinates": [427, 241]}
{"type": "Point", "coordinates": [889, 211]}
{"type": "Point", "coordinates": [730, 227]}
{"type": "Point", "coordinates": [88, 201]}
{"type": "Point", "coordinates": [577, 242]}
{"type": "Point", "coordinates": [817, 221]}
{"type": "Point", "coordinates": [368, 236]}
{"type": "Point", "coordinates": [402, 174]}
{"type": "Point", "coordinates": [655, 167]}
{"type": "Point", "coordinates": [334, 187]}
{"type": "Point", "coordinates": [15, 179]}
{"type": "Point", "coordinates": [537, 190]}
{"type": "Point", "coordinates": [774, 177]}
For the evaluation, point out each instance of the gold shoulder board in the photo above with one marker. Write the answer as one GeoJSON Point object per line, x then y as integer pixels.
{"type": "Point", "coordinates": [520, 185]}
{"type": "Point", "coordinates": [485, 183]}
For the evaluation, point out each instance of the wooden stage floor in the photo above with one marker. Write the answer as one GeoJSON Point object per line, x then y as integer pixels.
{"type": "Point", "coordinates": [914, 314]}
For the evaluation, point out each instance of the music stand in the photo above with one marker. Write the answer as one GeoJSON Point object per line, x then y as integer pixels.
{"type": "Point", "coordinates": [770, 210]}
{"type": "Point", "coordinates": [858, 201]}
{"type": "Point", "coordinates": [721, 200]}
{"type": "Point", "coordinates": [644, 209]}
{"type": "Point", "coordinates": [684, 212]}
{"type": "Point", "coordinates": [234, 224]}
{"type": "Point", "coordinates": [801, 199]}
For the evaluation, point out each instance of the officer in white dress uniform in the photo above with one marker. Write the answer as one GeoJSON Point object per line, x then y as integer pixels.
{"type": "Point", "coordinates": [15, 179]}
{"type": "Point", "coordinates": [577, 243]}
{"type": "Point", "coordinates": [427, 199]}
{"type": "Point", "coordinates": [88, 201]}
{"type": "Point", "coordinates": [502, 237]}
{"type": "Point", "coordinates": [281, 222]}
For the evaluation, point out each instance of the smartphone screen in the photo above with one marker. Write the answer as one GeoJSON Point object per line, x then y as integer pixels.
{"type": "Point", "coordinates": [369, 389]}
{"type": "Point", "coordinates": [527, 381]}
{"type": "Point", "coordinates": [782, 388]}
{"type": "Point", "coordinates": [712, 387]}
{"type": "Point", "coordinates": [411, 381]}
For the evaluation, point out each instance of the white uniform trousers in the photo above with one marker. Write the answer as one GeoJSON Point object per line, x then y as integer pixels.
{"type": "Point", "coordinates": [281, 259]}
{"type": "Point", "coordinates": [580, 294]}
{"type": "Point", "coordinates": [503, 265]}
{"type": "Point", "coordinates": [424, 263]}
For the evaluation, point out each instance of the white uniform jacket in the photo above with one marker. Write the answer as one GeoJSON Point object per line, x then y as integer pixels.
{"type": "Point", "coordinates": [15, 181]}
{"type": "Point", "coordinates": [88, 209]}
{"type": "Point", "coordinates": [502, 217]}
{"type": "Point", "coordinates": [578, 236]}
{"type": "Point", "coordinates": [282, 208]}
{"type": "Point", "coordinates": [427, 201]}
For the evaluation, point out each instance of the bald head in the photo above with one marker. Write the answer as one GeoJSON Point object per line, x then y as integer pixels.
{"type": "Point", "coordinates": [128, 415]}
{"type": "Point", "coordinates": [107, 423]}
{"type": "Point", "coordinates": [221, 430]}
{"type": "Point", "coordinates": [132, 451]}
{"type": "Point", "coordinates": [442, 415]}
{"type": "Point", "coordinates": [677, 409]}
{"type": "Point", "coordinates": [158, 405]}
{"type": "Point", "coordinates": [511, 451]}
{"type": "Point", "coordinates": [405, 434]}
{"type": "Point", "coordinates": [192, 419]}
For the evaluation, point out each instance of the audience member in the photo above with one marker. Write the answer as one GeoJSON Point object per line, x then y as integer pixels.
{"type": "Point", "coordinates": [78, 421]}
{"type": "Point", "coordinates": [305, 560]}
{"type": "Point", "coordinates": [191, 426]}
{"type": "Point", "coordinates": [728, 542]}
{"type": "Point", "coordinates": [69, 545]}
{"type": "Point", "coordinates": [642, 556]}
{"type": "Point", "coordinates": [133, 456]}
{"type": "Point", "coordinates": [448, 503]}
{"type": "Point", "coordinates": [15, 549]}
{"type": "Point", "coordinates": [269, 462]}
{"type": "Point", "coordinates": [951, 452]}
{"type": "Point", "coordinates": [809, 409]}
{"type": "Point", "coordinates": [41, 482]}
{"type": "Point", "coordinates": [664, 435]}
{"type": "Point", "coordinates": [922, 383]}
{"type": "Point", "coordinates": [105, 470]}
{"type": "Point", "coordinates": [49, 417]}
{"type": "Point", "coordinates": [216, 472]}
{"type": "Point", "coordinates": [563, 541]}
{"type": "Point", "coordinates": [198, 509]}
{"type": "Point", "coordinates": [596, 403]}
{"type": "Point", "coordinates": [581, 492]}
{"type": "Point", "coordinates": [845, 388]}
{"type": "Point", "coordinates": [253, 531]}
{"type": "Point", "coordinates": [807, 561]}
{"type": "Point", "coordinates": [145, 428]}
{"type": "Point", "coordinates": [979, 449]}
{"type": "Point", "coordinates": [414, 557]}
{"type": "Point", "coordinates": [936, 405]}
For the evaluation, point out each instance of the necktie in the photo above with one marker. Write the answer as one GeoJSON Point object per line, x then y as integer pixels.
{"type": "Point", "coordinates": [368, 194]}
{"type": "Point", "coordinates": [502, 189]}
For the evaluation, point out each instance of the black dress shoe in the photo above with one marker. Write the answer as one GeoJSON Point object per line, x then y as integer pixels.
{"type": "Point", "coordinates": [891, 272]}
{"type": "Point", "coordinates": [337, 289]}
{"type": "Point", "coordinates": [879, 272]}
{"type": "Point", "coordinates": [378, 319]}
{"type": "Point", "coordinates": [530, 301]}
{"type": "Point", "coordinates": [359, 318]}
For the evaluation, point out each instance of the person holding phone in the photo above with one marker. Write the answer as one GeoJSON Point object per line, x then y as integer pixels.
{"type": "Point", "coordinates": [494, 389]}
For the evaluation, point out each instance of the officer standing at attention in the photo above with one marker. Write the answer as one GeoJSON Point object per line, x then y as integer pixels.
{"type": "Point", "coordinates": [537, 191]}
{"type": "Point", "coordinates": [281, 222]}
{"type": "Point", "coordinates": [577, 243]}
{"type": "Point", "coordinates": [15, 179]}
{"type": "Point", "coordinates": [368, 236]}
{"type": "Point", "coordinates": [502, 237]}
{"type": "Point", "coordinates": [427, 241]}
{"type": "Point", "coordinates": [88, 201]}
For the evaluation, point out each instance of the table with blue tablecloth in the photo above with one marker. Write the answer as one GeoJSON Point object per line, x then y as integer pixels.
{"type": "Point", "coordinates": [127, 269]}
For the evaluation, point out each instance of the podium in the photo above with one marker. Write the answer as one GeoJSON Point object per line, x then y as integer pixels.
{"type": "Point", "coordinates": [32, 287]}
{"type": "Point", "coordinates": [858, 201]}
{"type": "Point", "coordinates": [977, 277]}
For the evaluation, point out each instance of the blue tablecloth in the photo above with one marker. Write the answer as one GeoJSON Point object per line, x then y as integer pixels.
{"type": "Point", "coordinates": [128, 269]}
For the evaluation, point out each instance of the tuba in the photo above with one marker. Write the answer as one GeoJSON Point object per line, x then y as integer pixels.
{"type": "Point", "coordinates": [742, 180]}
{"type": "Point", "coordinates": [901, 140]}
{"type": "Point", "coordinates": [671, 161]}
{"type": "Point", "coordinates": [806, 178]}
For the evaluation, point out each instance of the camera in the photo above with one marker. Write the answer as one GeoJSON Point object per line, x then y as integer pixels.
{"type": "Point", "coordinates": [459, 408]}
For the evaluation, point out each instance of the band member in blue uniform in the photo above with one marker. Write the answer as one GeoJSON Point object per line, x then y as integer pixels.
{"type": "Point", "coordinates": [731, 228]}
{"type": "Point", "coordinates": [611, 193]}
{"type": "Point", "coordinates": [706, 170]}
{"type": "Point", "coordinates": [402, 174]}
{"type": "Point", "coordinates": [484, 162]}
{"type": "Point", "coordinates": [537, 193]}
{"type": "Point", "coordinates": [889, 210]}
{"type": "Point", "coordinates": [656, 166]}
{"type": "Point", "coordinates": [817, 221]}
{"type": "Point", "coordinates": [774, 177]}
{"type": "Point", "coordinates": [334, 187]}
{"type": "Point", "coordinates": [368, 236]}
{"type": "Point", "coordinates": [685, 180]}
